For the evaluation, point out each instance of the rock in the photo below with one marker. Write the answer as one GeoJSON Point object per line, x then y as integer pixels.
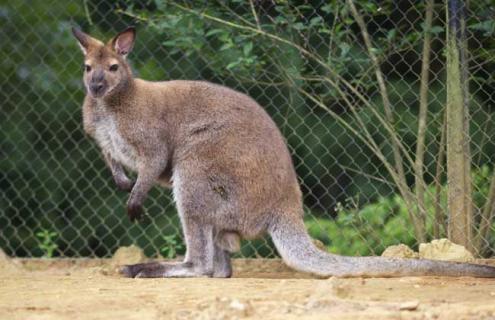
{"type": "Point", "coordinates": [223, 308]}
{"type": "Point", "coordinates": [443, 249]}
{"type": "Point", "coordinates": [7, 265]}
{"type": "Point", "coordinates": [3, 256]}
{"type": "Point", "coordinates": [237, 305]}
{"type": "Point", "coordinates": [338, 287]}
{"type": "Point", "coordinates": [124, 255]}
{"type": "Point", "coordinates": [328, 292]}
{"type": "Point", "coordinates": [400, 251]}
{"type": "Point", "coordinates": [128, 255]}
{"type": "Point", "coordinates": [409, 305]}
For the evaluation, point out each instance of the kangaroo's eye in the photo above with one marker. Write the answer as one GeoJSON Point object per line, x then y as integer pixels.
{"type": "Point", "coordinates": [114, 67]}
{"type": "Point", "coordinates": [87, 67]}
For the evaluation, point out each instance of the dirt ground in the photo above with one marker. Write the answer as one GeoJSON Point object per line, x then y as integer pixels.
{"type": "Point", "coordinates": [260, 289]}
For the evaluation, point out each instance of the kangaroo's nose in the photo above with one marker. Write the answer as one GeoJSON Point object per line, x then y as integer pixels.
{"type": "Point", "coordinates": [96, 88]}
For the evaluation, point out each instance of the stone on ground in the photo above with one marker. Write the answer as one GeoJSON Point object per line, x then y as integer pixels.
{"type": "Point", "coordinates": [128, 255]}
{"type": "Point", "coordinates": [443, 249]}
{"type": "Point", "coordinates": [400, 251]}
{"type": "Point", "coordinates": [123, 256]}
{"type": "Point", "coordinates": [7, 265]}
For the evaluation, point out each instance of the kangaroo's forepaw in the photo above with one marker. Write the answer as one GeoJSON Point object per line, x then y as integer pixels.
{"type": "Point", "coordinates": [134, 212]}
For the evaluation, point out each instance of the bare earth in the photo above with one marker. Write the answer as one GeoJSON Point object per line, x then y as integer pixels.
{"type": "Point", "coordinates": [260, 289]}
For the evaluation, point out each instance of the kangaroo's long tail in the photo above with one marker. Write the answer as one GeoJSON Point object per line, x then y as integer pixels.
{"type": "Point", "coordinates": [298, 251]}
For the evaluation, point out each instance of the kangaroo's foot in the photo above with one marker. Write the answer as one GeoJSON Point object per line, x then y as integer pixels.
{"type": "Point", "coordinates": [164, 270]}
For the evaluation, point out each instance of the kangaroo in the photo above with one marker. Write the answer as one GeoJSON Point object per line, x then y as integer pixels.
{"type": "Point", "coordinates": [227, 163]}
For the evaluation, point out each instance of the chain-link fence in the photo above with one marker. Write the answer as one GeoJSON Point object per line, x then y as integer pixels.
{"type": "Point", "coordinates": [358, 88]}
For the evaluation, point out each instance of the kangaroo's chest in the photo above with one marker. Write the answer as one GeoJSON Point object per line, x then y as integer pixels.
{"type": "Point", "coordinates": [110, 139]}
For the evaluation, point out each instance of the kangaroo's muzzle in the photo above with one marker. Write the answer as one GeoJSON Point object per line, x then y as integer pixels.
{"type": "Point", "coordinates": [97, 89]}
{"type": "Point", "coordinates": [98, 86]}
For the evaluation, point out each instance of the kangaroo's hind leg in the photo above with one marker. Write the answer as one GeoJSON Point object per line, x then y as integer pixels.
{"type": "Point", "coordinates": [199, 261]}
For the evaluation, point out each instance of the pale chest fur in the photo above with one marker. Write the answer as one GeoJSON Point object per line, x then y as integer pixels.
{"type": "Point", "coordinates": [110, 140]}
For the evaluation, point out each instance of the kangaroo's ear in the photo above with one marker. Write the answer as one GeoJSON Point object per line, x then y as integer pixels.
{"type": "Point", "coordinates": [84, 40]}
{"type": "Point", "coordinates": [124, 41]}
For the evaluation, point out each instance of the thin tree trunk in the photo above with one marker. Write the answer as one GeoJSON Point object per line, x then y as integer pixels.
{"type": "Point", "coordinates": [467, 146]}
{"type": "Point", "coordinates": [423, 111]}
{"type": "Point", "coordinates": [439, 170]}
{"type": "Point", "coordinates": [458, 158]}
{"type": "Point", "coordinates": [487, 217]}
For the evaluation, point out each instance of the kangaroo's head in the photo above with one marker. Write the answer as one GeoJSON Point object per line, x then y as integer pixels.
{"type": "Point", "coordinates": [106, 70]}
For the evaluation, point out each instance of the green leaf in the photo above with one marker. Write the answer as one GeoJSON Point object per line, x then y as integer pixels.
{"type": "Point", "coordinates": [391, 34]}
{"type": "Point", "coordinates": [326, 8]}
{"type": "Point", "coordinates": [371, 7]}
{"type": "Point", "coordinates": [436, 29]}
{"type": "Point", "coordinates": [315, 21]}
{"type": "Point", "coordinates": [214, 32]}
{"type": "Point", "coordinates": [344, 49]}
{"type": "Point", "coordinates": [233, 64]}
{"type": "Point", "coordinates": [299, 26]}
{"type": "Point", "coordinates": [487, 26]}
{"type": "Point", "coordinates": [226, 46]}
{"type": "Point", "coordinates": [376, 51]}
{"type": "Point", "coordinates": [170, 43]}
{"type": "Point", "coordinates": [248, 47]}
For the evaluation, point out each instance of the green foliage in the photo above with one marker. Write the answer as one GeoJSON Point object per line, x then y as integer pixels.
{"type": "Point", "coordinates": [487, 27]}
{"type": "Point", "coordinates": [481, 181]}
{"type": "Point", "coordinates": [364, 231]}
{"type": "Point", "coordinates": [173, 246]}
{"type": "Point", "coordinates": [369, 229]}
{"type": "Point", "coordinates": [48, 242]}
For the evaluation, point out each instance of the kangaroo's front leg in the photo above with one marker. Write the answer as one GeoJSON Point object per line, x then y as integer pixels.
{"type": "Point", "coordinates": [148, 173]}
{"type": "Point", "coordinates": [118, 174]}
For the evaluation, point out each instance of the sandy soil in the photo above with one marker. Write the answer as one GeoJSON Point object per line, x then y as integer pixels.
{"type": "Point", "coordinates": [260, 289]}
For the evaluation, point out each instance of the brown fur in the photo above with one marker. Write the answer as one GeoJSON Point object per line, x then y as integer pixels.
{"type": "Point", "coordinates": [231, 172]}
